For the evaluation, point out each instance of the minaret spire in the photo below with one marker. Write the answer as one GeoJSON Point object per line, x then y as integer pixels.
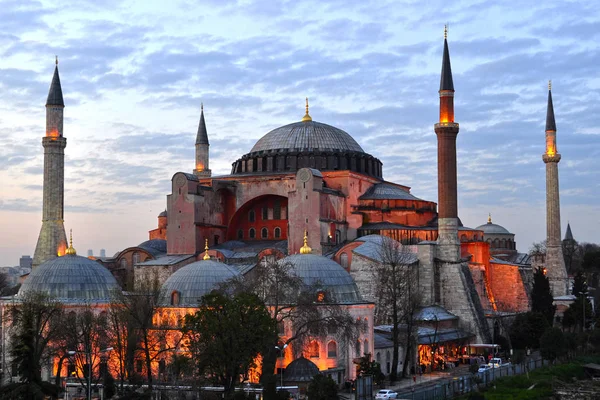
{"type": "Point", "coordinates": [555, 262]}
{"type": "Point", "coordinates": [52, 241]}
{"type": "Point", "coordinates": [447, 130]}
{"type": "Point", "coordinates": [202, 147]}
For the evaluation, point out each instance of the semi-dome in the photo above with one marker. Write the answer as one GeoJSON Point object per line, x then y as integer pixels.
{"type": "Point", "coordinates": [318, 270]}
{"type": "Point", "coordinates": [310, 135]}
{"type": "Point", "coordinates": [186, 286]}
{"type": "Point", "coordinates": [72, 279]}
{"type": "Point", "coordinates": [300, 370]}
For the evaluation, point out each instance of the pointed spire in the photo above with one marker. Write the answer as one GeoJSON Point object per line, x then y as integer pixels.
{"type": "Point", "coordinates": [306, 117]}
{"type": "Point", "coordinates": [569, 234]}
{"type": "Point", "coordinates": [550, 122]}
{"type": "Point", "coordinates": [446, 79]}
{"type": "Point", "coordinates": [202, 136]}
{"type": "Point", "coordinates": [206, 256]}
{"type": "Point", "coordinates": [55, 97]}
{"type": "Point", "coordinates": [70, 251]}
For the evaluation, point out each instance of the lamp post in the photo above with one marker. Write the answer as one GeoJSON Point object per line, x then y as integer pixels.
{"type": "Point", "coordinates": [281, 349]}
{"type": "Point", "coordinates": [88, 359]}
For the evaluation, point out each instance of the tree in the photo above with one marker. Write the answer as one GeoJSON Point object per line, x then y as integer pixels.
{"type": "Point", "coordinates": [571, 250]}
{"type": "Point", "coordinates": [527, 329]}
{"type": "Point", "coordinates": [552, 344]}
{"type": "Point", "coordinates": [322, 387]}
{"type": "Point", "coordinates": [34, 324]}
{"type": "Point", "coordinates": [541, 296]}
{"type": "Point", "coordinates": [538, 249]}
{"type": "Point", "coordinates": [226, 335]}
{"type": "Point", "coordinates": [398, 297]}
{"type": "Point", "coordinates": [366, 366]}
{"type": "Point", "coordinates": [303, 307]}
{"type": "Point", "coordinates": [580, 287]}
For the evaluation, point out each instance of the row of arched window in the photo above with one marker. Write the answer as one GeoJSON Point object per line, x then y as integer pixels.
{"type": "Point", "coordinates": [264, 233]}
{"type": "Point", "coordinates": [265, 212]}
{"type": "Point", "coordinates": [314, 349]}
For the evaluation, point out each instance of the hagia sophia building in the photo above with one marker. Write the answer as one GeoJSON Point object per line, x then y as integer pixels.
{"type": "Point", "coordinates": [306, 194]}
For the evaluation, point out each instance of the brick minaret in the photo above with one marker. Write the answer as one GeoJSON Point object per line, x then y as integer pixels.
{"type": "Point", "coordinates": [555, 262]}
{"type": "Point", "coordinates": [52, 241]}
{"type": "Point", "coordinates": [446, 131]}
{"type": "Point", "coordinates": [202, 145]}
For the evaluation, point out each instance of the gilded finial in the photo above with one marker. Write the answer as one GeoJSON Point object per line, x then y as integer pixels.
{"type": "Point", "coordinates": [306, 117]}
{"type": "Point", "coordinates": [550, 84]}
{"type": "Point", "coordinates": [305, 249]}
{"type": "Point", "coordinates": [56, 60]}
{"type": "Point", "coordinates": [206, 256]}
{"type": "Point", "coordinates": [446, 31]}
{"type": "Point", "coordinates": [71, 251]}
{"type": "Point", "coordinates": [489, 218]}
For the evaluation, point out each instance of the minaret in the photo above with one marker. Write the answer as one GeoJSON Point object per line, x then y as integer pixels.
{"type": "Point", "coordinates": [52, 241]}
{"type": "Point", "coordinates": [202, 145]}
{"type": "Point", "coordinates": [447, 130]}
{"type": "Point", "coordinates": [555, 262]}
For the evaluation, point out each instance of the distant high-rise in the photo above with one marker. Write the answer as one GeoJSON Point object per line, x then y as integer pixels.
{"type": "Point", "coordinates": [102, 253]}
{"type": "Point", "coordinates": [52, 241]}
{"type": "Point", "coordinates": [555, 262]}
{"type": "Point", "coordinates": [90, 252]}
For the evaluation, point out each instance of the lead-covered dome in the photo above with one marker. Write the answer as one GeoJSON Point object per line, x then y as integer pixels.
{"type": "Point", "coordinates": [72, 279]}
{"type": "Point", "coordinates": [493, 229]}
{"type": "Point", "coordinates": [309, 135]}
{"type": "Point", "coordinates": [326, 273]}
{"type": "Point", "coordinates": [187, 285]}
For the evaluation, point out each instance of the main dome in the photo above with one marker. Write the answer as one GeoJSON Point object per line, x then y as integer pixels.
{"type": "Point", "coordinates": [73, 279]}
{"type": "Point", "coordinates": [309, 135]}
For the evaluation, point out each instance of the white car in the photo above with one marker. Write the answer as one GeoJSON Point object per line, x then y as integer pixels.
{"type": "Point", "coordinates": [497, 362]}
{"type": "Point", "coordinates": [386, 394]}
{"type": "Point", "coordinates": [484, 367]}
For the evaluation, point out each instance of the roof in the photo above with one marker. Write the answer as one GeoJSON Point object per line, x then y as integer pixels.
{"type": "Point", "coordinates": [316, 270]}
{"type": "Point", "coordinates": [381, 341]}
{"type": "Point", "coordinates": [550, 122]}
{"type": "Point", "coordinates": [202, 136]}
{"type": "Point", "coordinates": [196, 280]}
{"type": "Point", "coordinates": [72, 279]}
{"type": "Point", "coordinates": [241, 252]}
{"type": "Point", "coordinates": [391, 225]}
{"type": "Point", "coordinates": [493, 229]}
{"type": "Point", "coordinates": [156, 247]}
{"type": "Point", "coordinates": [387, 191]}
{"type": "Point", "coordinates": [431, 336]}
{"type": "Point", "coordinates": [569, 234]}
{"type": "Point", "coordinates": [434, 313]}
{"type": "Point", "coordinates": [446, 82]}
{"type": "Point", "coordinates": [55, 96]}
{"type": "Point", "coordinates": [300, 370]}
{"type": "Point", "coordinates": [372, 249]}
{"type": "Point", "coordinates": [163, 214]}
{"type": "Point", "coordinates": [166, 260]}
{"type": "Point", "coordinates": [310, 135]}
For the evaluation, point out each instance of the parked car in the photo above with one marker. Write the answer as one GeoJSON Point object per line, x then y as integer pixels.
{"type": "Point", "coordinates": [497, 362]}
{"type": "Point", "coordinates": [484, 367]}
{"type": "Point", "coordinates": [386, 394]}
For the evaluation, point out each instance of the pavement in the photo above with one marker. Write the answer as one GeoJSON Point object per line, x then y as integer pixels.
{"type": "Point", "coordinates": [407, 384]}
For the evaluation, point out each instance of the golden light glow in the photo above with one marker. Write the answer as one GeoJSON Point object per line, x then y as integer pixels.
{"type": "Point", "coordinates": [53, 133]}
{"type": "Point", "coordinates": [199, 167]}
{"type": "Point", "coordinates": [206, 256]}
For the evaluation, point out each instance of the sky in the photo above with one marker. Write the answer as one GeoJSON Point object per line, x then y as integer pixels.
{"type": "Point", "coordinates": [134, 74]}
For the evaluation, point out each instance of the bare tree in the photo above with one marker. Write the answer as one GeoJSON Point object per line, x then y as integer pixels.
{"type": "Point", "coordinates": [398, 298]}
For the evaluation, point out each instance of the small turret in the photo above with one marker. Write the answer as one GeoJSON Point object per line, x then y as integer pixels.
{"type": "Point", "coordinates": [569, 234]}
{"type": "Point", "coordinates": [202, 145]}
{"type": "Point", "coordinates": [55, 97]}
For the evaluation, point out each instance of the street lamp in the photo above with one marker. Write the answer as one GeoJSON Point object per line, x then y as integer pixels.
{"type": "Point", "coordinates": [88, 358]}
{"type": "Point", "coordinates": [281, 349]}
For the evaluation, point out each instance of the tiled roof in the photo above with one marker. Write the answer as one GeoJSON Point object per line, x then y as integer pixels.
{"type": "Point", "coordinates": [385, 191]}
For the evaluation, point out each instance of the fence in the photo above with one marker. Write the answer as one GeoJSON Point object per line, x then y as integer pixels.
{"type": "Point", "coordinates": [448, 388]}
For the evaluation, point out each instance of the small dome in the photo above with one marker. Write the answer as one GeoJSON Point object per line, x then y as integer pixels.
{"type": "Point", "coordinates": [195, 280]}
{"type": "Point", "coordinates": [493, 229]}
{"type": "Point", "coordinates": [313, 269]}
{"type": "Point", "coordinates": [300, 370]}
{"type": "Point", "coordinates": [72, 278]}
{"type": "Point", "coordinates": [154, 245]}
{"type": "Point", "coordinates": [307, 135]}
{"type": "Point", "coordinates": [163, 214]}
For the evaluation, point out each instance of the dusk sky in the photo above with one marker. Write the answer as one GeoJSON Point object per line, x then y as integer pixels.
{"type": "Point", "coordinates": [134, 74]}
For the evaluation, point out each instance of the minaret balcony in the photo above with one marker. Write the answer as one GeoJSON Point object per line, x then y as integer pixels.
{"type": "Point", "coordinates": [551, 158]}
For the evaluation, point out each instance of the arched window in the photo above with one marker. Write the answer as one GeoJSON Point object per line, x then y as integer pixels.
{"type": "Point", "coordinates": [175, 298]}
{"type": "Point", "coordinates": [344, 261]}
{"type": "Point", "coordinates": [495, 243]}
{"type": "Point", "coordinates": [378, 357]}
{"type": "Point", "coordinates": [251, 216]}
{"type": "Point", "coordinates": [313, 349]}
{"type": "Point", "coordinates": [332, 349]}
{"type": "Point", "coordinates": [366, 346]}
{"type": "Point", "coordinates": [264, 233]}
{"type": "Point", "coordinates": [277, 209]}
{"type": "Point", "coordinates": [136, 258]}
{"type": "Point", "coordinates": [252, 233]}
{"type": "Point", "coordinates": [277, 233]}
{"type": "Point", "coordinates": [123, 263]}
{"type": "Point", "coordinates": [463, 238]}
{"type": "Point", "coordinates": [357, 349]}
{"type": "Point", "coordinates": [240, 234]}
{"type": "Point", "coordinates": [338, 236]}
{"type": "Point", "coordinates": [265, 213]}
{"type": "Point", "coordinates": [503, 243]}
{"type": "Point", "coordinates": [388, 363]}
